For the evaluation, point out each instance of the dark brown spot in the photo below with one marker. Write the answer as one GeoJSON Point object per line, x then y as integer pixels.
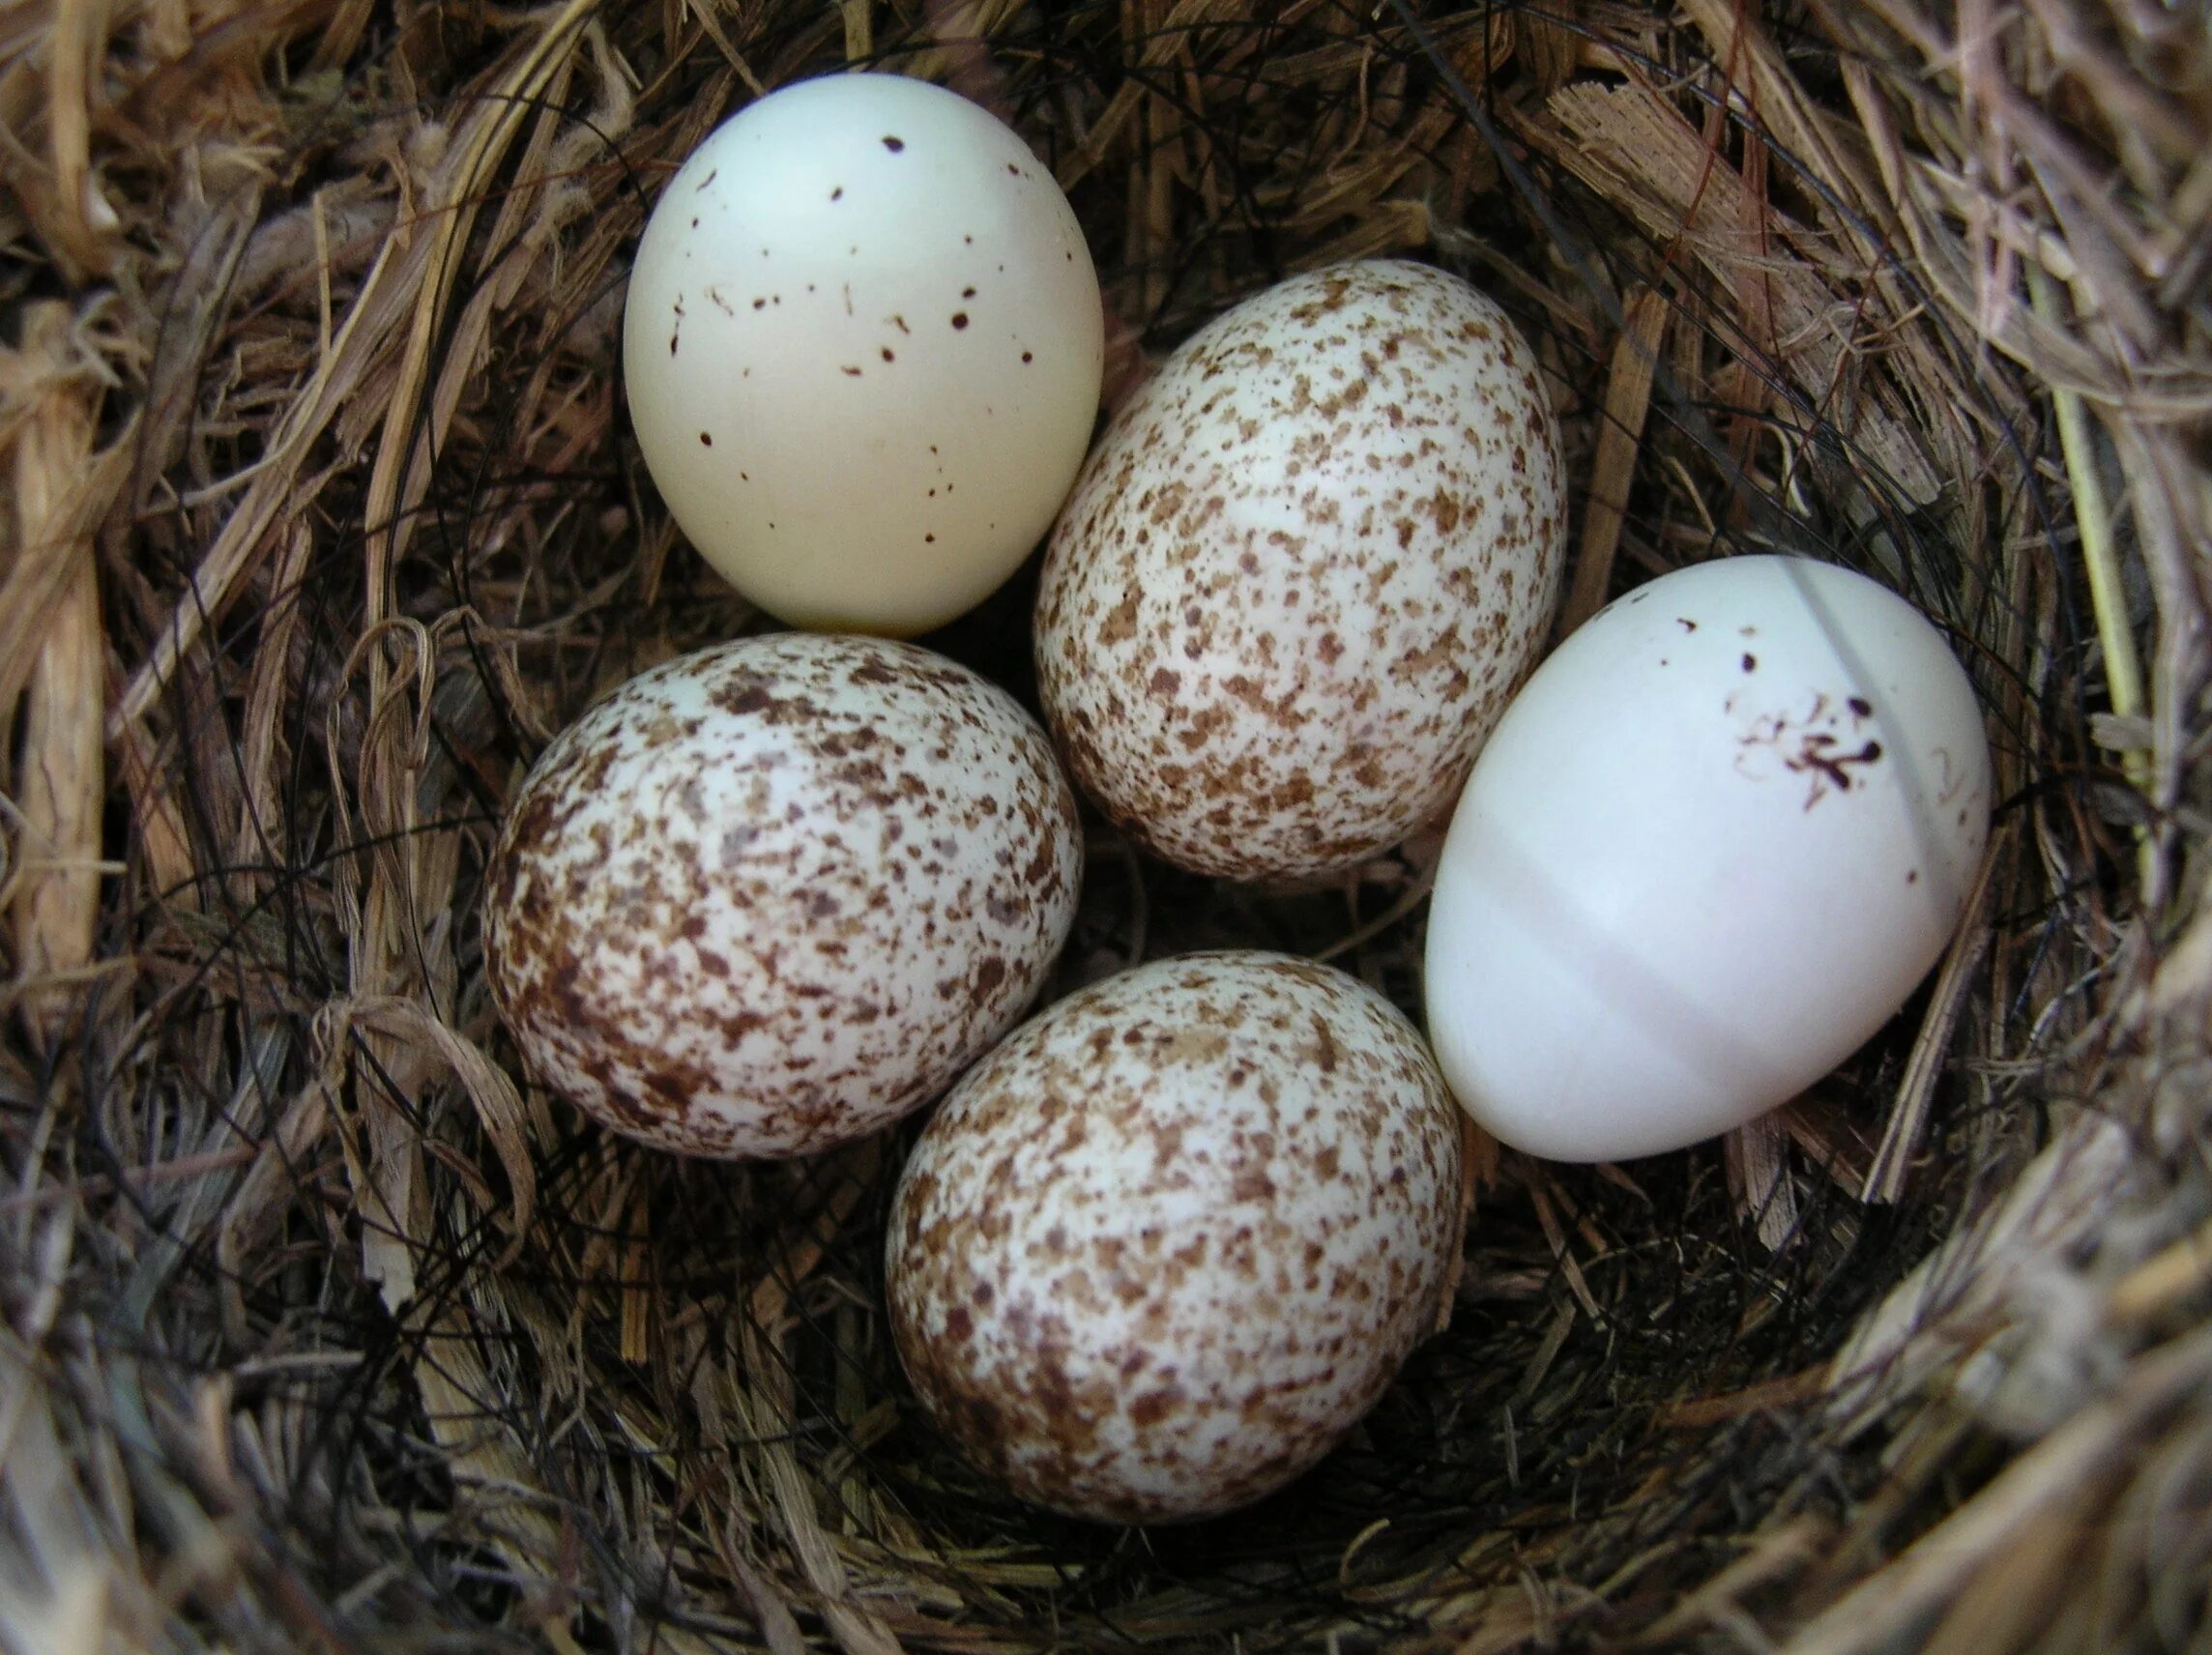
{"type": "Point", "coordinates": [1155, 1406]}
{"type": "Point", "coordinates": [1121, 620]}
{"type": "Point", "coordinates": [1327, 1053]}
{"type": "Point", "coordinates": [894, 145]}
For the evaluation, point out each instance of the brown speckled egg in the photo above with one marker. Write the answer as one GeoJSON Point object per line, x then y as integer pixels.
{"type": "Point", "coordinates": [1303, 571]}
{"type": "Point", "coordinates": [1164, 1246]}
{"type": "Point", "coordinates": [769, 897]}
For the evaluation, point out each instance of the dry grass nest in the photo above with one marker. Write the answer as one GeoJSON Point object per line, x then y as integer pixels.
{"type": "Point", "coordinates": [324, 1329]}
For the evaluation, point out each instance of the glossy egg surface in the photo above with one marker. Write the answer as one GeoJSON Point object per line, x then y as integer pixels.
{"type": "Point", "coordinates": [863, 345]}
{"type": "Point", "coordinates": [1720, 837]}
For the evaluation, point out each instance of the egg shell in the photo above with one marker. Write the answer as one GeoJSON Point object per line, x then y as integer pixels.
{"type": "Point", "coordinates": [767, 898]}
{"type": "Point", "coordinates": [1725, 831]}
{"type": "Point", "coordinates": [1167, 1244]}
{"type": "Point", "coordinates": [1303, 571]}
{"type": "Point", "coordinates": [863, 345]}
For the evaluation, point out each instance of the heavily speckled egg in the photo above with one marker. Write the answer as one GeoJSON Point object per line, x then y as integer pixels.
{"type": "Point", "coordinates": [1165, 1245]}
{"type": "Point", "coordinates": [862, 346]}
{"type": "Point", "coordinates": [1302, 573]}
{"type": "Point", "coordinates": [770, 896]}
{"type": "Point", "coordinates": [1716, 842]}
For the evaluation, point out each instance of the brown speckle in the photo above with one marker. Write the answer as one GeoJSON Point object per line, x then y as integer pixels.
{"type": "Point", "coordinates": [1384, 578]}
{"type": "Point", "coordinates": [708, 973]}
{"type": "Point", "coordinates": [1010, 1234]}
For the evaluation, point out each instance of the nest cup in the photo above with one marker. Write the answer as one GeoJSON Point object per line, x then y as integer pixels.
{"type": "Point", "coordinates": [326, 1328]}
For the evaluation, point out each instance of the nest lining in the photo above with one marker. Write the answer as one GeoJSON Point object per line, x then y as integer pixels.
{"type": "Point", "coordinates": [324, 1326]}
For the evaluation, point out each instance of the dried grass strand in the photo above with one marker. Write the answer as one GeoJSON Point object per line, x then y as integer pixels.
{"type": "Point", "coordinates": [60, 781]}
{"type": "Point", "coordinates": [1889, 1603]}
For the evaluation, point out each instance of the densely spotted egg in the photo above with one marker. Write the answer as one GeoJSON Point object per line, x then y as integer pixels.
{"type": "Point", "coordinates": [770, 896]}
{"type": "Point", "coordinates": [1302, 573]}
{"type": "Point", "coordinates": [1718, 839]}
{"type": "Point", "coordinates": [1164, 1246]}
{"type": "Point", "coordinates": [862, 346]}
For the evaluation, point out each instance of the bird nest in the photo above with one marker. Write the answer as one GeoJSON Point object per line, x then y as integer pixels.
{"type": "Point", "coordinates": [325, 1329]}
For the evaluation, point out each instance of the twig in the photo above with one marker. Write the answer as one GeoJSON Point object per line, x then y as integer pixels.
{"type": "Point", "coordinates": [1909, 1113]}
{"type": "Point", "coordinates": [2107, 596]}
{"type": "Point", "coordinates": [1621, 434]}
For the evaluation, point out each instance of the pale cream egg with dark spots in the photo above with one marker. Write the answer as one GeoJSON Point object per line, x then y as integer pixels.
{"type": "Point", "coordinates": [767, 898]}
{"type": "Point", "coordinates": [1303, 571]}
{"type": "Point", "coordinates": [1161, 1250]}
{"type": "Point", "coordinates": [863, 348]}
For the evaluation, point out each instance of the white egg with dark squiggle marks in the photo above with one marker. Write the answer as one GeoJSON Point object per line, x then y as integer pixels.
{"type": "Point", "coordinates": [862, 346]}
{"type": "Point", "coordinates": [769, 897]}
{"type": "Point", "coordinates": [1302, 573]}
{"type": "Point", "coordinates": [1165, 1245]}
{"type": "Point", "coordinates": [1717, 841]}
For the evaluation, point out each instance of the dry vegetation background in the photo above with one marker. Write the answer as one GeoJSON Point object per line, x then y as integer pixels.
{"type": "Point", "coordinates": [323, 1331]}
